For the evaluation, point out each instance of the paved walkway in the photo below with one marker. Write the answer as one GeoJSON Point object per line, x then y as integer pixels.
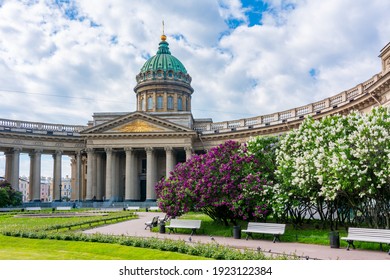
{"type": "Point", "coordinates": [137, 228]}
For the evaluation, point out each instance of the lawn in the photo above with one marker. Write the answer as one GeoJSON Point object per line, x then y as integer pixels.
{"type": "Point", "coordinates": [16, 248]}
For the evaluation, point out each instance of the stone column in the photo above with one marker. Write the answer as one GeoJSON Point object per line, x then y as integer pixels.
{"type": "Point", "coordinates": [57, 175]}
{"type": "Point", "coordinates": [35, 175]}
{"type": "Point", "coordinates": [8, 165]}
{"type": "Point", "coordinates": [130, 176]}
{"type": "Point", "coordinates": [170, 164]}
{"type": "Point", "coordinates": [15, 169]}
{"type": "Point", "coordinates": [108, 191]}
{"type": "Point", "coordinates": [114, 177]}
{"type": "Point", "coordinates": [99, 177]}
{"type": "Point", "coordinates": [90, 173]}
{"type": "Point", "coordinates": [150, 174]}
{"type": "Point", "coordinates": [78, 183]}
{"type": "Point", "coordinates": [73, 178]}
{"type": "Point", "coordinates": [188, 152]}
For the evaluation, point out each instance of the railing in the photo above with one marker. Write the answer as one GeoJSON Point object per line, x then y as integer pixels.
{"type": "Point", "coordinates": [36, 127]}
{"type": "Point", "coordinates": [299, 112]}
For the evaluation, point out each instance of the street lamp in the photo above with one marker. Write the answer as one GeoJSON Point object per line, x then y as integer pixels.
{"type": "Point", "coordinates": [60, 192]}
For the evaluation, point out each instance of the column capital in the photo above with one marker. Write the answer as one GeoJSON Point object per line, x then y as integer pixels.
{"type": "Point", "coordinates": [57, 153]}
{"type": "Point", "coordinates": [188, 149]}
{"type": "Point", "coordinates": [108, 150]}
{"type": "Point", "coordinates": [149, 149]}
{"type": "Point", "coordinates": [89, 150]}
{"type": "Point", "coordinates": [129, 149]}
{"type": "Point", "coordinates": [168, 149]}
{"type": "Point", "coordinates": [17, 149]}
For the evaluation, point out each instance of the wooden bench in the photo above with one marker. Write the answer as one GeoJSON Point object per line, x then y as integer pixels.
{"type": "Point", "coordinates": [154, 208]}
{"type": "Point", "coordinates": [33, 208]}
{"type": "Point", "coordinates": [133, 208]}
{"type": "Point", "coordinates": [63, 208]}
{"type": "Point", "coordinates": [153, 223]}
{"type": "Point", "coordinates": [188, 224]}
{"type": "Point", "coordinates": [266, 228]}
{"type": "Point", "coordinates": [367, 235]}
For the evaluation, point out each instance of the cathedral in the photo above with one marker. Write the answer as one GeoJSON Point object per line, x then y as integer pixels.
{"type": "Point", "coordinates": [119, 157]}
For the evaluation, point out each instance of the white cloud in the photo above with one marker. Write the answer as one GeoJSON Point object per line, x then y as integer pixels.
{"type": "Point", "coordinates": [66, 61]}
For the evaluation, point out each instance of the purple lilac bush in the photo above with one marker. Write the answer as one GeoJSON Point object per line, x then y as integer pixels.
{"type": "Point", "coordinates": [224, 183]}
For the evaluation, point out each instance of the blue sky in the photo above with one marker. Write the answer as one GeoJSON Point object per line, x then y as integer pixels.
{"type": "Point", "coordinates": [63, 60]}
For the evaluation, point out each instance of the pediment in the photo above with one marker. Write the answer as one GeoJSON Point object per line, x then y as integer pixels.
{"type": "Point", "coordinates": [136, 123]}
{"type": "Point", "coordinates": [139, 125]}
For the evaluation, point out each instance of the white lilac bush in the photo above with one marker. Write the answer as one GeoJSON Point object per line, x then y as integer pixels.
{"type": "Point", "coordinates": [338, 166]}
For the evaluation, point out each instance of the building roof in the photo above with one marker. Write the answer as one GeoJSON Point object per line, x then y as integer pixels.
{"type": "Point", "coordinates": [163, 60]}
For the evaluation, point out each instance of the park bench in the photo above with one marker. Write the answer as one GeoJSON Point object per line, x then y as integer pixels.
{"type": "Point", "coordinates": [367, 235]}
{"type": "Point", "coordinates": [153, 223]}
{"type": "Point", "coordinates": [153, 208]}
{"type": "Point", "coordinates": [33, 209]}
{"type": "Point", "coordinates": [63, 208]}
{"type": "Point", "coordinates": [186, 224]}
{"type": "Point", "coordinates": [133, 208]}
{"type": "Point", "coordinates": [265, 228]}
{"type": "Point", "coordinates": [111, 209]}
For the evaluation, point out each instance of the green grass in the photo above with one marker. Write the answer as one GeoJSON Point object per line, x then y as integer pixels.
{"type": "Point", "coordinates": [15, 248]}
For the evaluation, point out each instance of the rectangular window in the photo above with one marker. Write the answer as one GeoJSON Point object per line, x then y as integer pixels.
{"type": "Point", "coordinates": [179, 104]}
{"type": "Point", "coordinates": [159, 102]}
{"type": "Point", "coordinates": [150, 103]}
{"type": "Point", "coordinates": [170, 103]}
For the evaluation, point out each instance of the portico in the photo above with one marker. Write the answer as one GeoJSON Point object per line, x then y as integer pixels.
{"type": "Point", "coordinates": [127, 156]}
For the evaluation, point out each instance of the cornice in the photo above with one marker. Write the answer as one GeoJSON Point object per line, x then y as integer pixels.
{"type": "Point", "coordinates": [47, 138]}
{"type": "Point", "coordinates": [121, 135]}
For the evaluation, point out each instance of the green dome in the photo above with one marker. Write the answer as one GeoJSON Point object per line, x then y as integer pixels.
{"type": "Point", "coordinates": [164, 61]}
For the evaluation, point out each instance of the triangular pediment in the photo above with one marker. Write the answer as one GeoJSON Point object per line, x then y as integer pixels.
{"type": "Point", "coordinates": [136, 122]}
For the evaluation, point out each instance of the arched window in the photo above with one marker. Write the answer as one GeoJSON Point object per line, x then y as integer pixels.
{"type": "Point", "coordinates": [170, 103]}
{"type": "Point", "coordinates": [159, 102]}
{"type": "Point", "coordinates": [142, 104]}
{"type": "Point", "coordinates": [150, 103]}
{"type": "Point", "coordinates": [179, 104]}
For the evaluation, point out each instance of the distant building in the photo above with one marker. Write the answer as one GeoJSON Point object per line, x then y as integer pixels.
{"type": "Point", "coordinates": [66, 189]}
{"type": "Point", "coordinates": [24, 188]}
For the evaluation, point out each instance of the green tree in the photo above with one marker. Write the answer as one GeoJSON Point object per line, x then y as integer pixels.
{"type": "Point", "coordinates": [9, 196]}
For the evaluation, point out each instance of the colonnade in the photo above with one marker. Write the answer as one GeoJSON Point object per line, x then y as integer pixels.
{"type": "Point", "coordinates": [112, 174]}
{"type": "Point", "coordinates": [12, 171]}
{"type": "Point", "coordinates": [118, 174]}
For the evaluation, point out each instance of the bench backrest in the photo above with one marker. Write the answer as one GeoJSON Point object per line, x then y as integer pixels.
{"type": "Point", "coordinates": [369, 232]}
{"type": "Point", "coordinates": [63, 208]}
{"type": "Point", "coordinates": [267, 227]}
{"type": "Point", "coordinates": [185, 223]}
{"type": "Point", "coordinates": [133, 208]}
{"type": "Point", "coordinates": [33, 208]}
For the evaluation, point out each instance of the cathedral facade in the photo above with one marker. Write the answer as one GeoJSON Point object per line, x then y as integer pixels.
{"type": "Point", "coordinates": [119, 157]}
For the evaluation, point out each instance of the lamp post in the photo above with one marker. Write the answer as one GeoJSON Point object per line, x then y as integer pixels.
{"type": "Point", "coordinates": [60, 192]}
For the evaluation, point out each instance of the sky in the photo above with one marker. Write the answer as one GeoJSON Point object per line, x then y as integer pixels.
{"type": "Point", "coordinates": [63, 60]}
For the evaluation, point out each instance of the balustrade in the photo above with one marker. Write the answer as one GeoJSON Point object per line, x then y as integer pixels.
{"type": "Point", "coordinates": [40, 128]}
